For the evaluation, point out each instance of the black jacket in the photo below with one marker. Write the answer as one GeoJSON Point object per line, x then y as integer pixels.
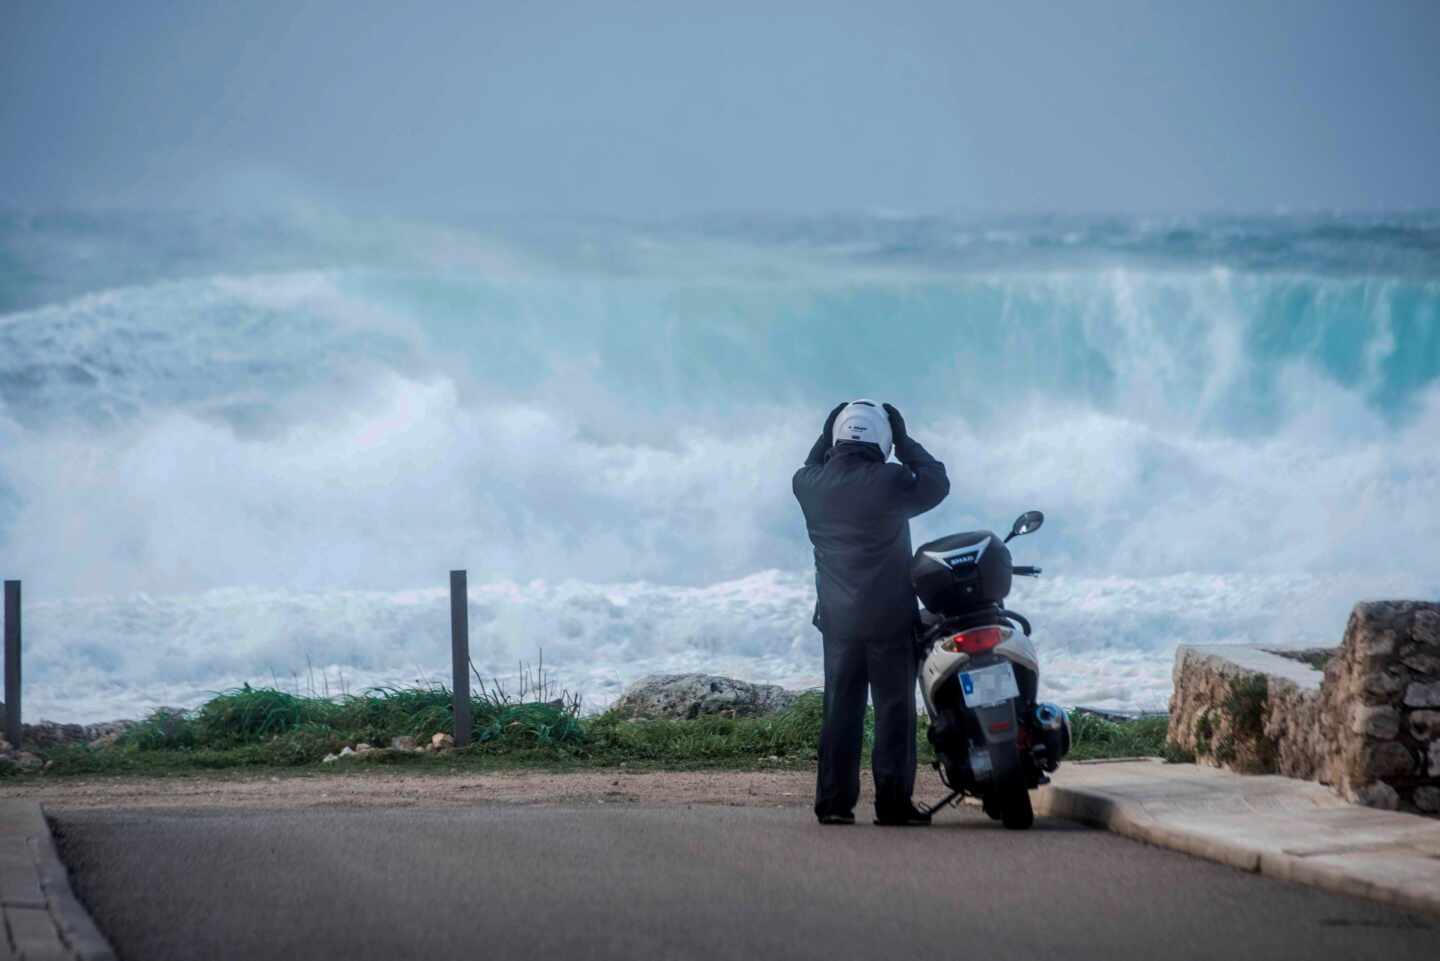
{"type": "Point", "coordinates": [857, 510]}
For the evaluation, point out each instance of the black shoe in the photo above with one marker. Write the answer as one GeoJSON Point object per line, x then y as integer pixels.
{"type": "Point", "coordinates": [902, 817]}
{"type": "Point", "coordinates": [836, 818]}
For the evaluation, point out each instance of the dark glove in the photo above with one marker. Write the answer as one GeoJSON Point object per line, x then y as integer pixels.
{"type": "Point", "coordinates": [825, 440]}
{"type": "Point", "coordinates": [898, 435]}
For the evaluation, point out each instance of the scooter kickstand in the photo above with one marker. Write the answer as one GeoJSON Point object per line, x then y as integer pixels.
{"type": "Point", "coordinates": [930, 811]}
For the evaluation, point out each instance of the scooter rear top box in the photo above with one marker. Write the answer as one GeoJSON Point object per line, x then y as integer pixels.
{"type": "Point", "coordinates": [954, 574]}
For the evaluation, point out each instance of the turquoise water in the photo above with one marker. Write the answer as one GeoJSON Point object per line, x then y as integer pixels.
{"type": "Point", "coordinates": [304, 422]}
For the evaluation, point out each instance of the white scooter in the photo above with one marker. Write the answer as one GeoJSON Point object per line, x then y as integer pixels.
{"type": "Point", "coordinates": [979, 675]}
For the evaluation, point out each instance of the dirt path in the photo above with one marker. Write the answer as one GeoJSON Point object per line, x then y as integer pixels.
{"type": "Point", "coordinates": [387, 789]}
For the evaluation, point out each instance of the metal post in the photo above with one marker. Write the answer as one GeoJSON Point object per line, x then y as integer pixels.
{"type": "Point", "coordinates": [12, 663]}
{"type": "Point", "coordinates": [460, 655]}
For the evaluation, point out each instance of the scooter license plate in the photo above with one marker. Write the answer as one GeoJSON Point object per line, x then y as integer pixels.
{"type": "Point", "coordinates": [989, 685]}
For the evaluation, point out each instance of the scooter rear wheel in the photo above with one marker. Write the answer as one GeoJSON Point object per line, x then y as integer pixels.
{"type": "Point", "coordinates": [1016, 813]}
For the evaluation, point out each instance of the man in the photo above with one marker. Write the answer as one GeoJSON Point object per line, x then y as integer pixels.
{"type": "Point", "coordinates": [857, 510]}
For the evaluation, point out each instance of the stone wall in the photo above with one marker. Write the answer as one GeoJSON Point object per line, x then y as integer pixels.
{"type": "Point", "coordinates": [1247, 709]}
{"type": "Point", "coordinates": [1380, 703]}
{"type": "Point", "coordinates": [1369, 725]}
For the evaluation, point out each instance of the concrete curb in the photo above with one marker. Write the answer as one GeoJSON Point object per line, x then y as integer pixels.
{"type": "Point", "coordinates": [42, 916]}
{"type": "Point", "coordinates": [1403, 871]}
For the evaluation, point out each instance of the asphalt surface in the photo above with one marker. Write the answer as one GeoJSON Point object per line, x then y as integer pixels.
{"type": "Point", "coordinates": [638, 882]}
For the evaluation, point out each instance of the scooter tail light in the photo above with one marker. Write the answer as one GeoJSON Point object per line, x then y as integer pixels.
{"type": "Point", "coordinates": [976, 640]}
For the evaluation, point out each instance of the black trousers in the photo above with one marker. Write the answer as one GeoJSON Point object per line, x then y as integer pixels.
{"type": "Point", "coordinates": [887, 667]}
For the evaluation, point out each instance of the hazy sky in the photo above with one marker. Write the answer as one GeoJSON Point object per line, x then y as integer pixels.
{"type": "Point", "coordinates": [659, 108]}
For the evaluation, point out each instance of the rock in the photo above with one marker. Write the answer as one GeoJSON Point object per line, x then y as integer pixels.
{"type": "Point", "coordinates": [1376, 644]}
{"type": "Point", "coordinates": [1425, 725]}
{"type": "Point", "coordinates": [346, 751]}
{"type": "Point", "coordinates": [1423, 695]}
{"type": "Point", "coordinates": [1427, 799]}
{"type": "Point", "coordinates": [363, 748]}
{"type": "Point", "coordinates": [442, 742]}
{"type": "Point", "coordinates": [1387, 759]}
{"type": "Point", "coordinates": [26, 761]}
{"type": "Point", "coordinates": [1426, 628]}
{"type": "Point", "coordinates": [1422, 663]}
{"type": "Point", "coordinates": [47, 734]}
{"type": "Point", "coordinates": [1375, 626]}
{"type": "Point", "coordinates": [1382, 684]}
{"type": "Point", "coordinates": [403, 743]}
{"type": "Point", "coordinates": [688, 696]}
{"type": "Point", "coordinates": [1378, 795]}
{"type": "Point", "coordinates": [1372, 721]}
{"type": "Point", "coordinates": [107, 731]}
{"type": "Point", "coordinates": [330, 759]}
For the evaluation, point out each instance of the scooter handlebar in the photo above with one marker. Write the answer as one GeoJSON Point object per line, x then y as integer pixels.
{"type": "Point", "coordinates": [1025, 571]}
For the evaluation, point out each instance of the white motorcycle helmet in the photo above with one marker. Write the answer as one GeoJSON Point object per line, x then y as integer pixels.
{"type": "Point", "coordinates": [864, 421]}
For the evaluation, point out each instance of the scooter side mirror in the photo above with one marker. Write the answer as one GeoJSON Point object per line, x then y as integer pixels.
{"type": "Point", "coordinates": [1026, 523]}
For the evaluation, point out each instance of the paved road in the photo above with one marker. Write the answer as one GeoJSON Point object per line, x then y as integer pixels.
{"type": "Point", "coordinates": [633, 882]}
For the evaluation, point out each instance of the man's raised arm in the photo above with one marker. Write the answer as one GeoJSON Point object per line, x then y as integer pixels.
{"type": "Point", "coordinates": [924, 483]}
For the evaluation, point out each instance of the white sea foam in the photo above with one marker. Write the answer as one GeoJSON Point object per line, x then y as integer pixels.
{"type": "Point", "coordinates": [1104, 642]}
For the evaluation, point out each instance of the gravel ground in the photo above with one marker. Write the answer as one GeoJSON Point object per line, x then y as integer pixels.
{"type": "Point", "coordinates": [392, 789]}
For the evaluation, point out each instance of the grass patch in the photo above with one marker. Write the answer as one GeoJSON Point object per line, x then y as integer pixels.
{"type": "Point", "coordinates": [1245, 703]}
{"type": "Point", "coordinates": [1094, 736]}
{"type": "Point", "coordinates": [268, 728]}
{"type": "Point", "coordinates": [265, 728]}
{"type": "Point", "coordinates": [789, 736]}
{"type": "Point", "coordinates": [1247, 744]}
{"type": "Point", "coordinates": [1204, 732]}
